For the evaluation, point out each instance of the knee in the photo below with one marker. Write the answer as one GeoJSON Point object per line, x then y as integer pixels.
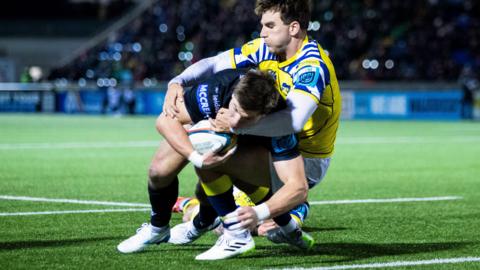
{"type": "Point", "coordinates": [158, 178]}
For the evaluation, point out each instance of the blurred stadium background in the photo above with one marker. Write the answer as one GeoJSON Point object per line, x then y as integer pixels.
{"type": "Point", "coordinates": [395, 59]}
{"type": "Point", "coordinates": [69, 171]}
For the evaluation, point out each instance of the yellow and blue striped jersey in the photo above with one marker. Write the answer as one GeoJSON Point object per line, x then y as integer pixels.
{"type": "Point", "coordinates": [309, 72]}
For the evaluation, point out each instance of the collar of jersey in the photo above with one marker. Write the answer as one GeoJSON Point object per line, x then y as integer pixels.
{"type": "Point", "coordinates": [294, 57]}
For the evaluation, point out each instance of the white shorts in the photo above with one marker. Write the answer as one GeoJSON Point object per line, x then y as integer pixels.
{"type": "Point", "coordinates": [315, 170]}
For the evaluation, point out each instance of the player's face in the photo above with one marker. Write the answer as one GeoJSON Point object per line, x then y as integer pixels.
{"type": "Point", "coordinates": [239, 117]}
{"type": "Point", "coordinates": [275, 32]}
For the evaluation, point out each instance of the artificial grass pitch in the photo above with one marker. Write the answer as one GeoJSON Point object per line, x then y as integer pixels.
{"type": "Point", "coordinates": [106, 159]}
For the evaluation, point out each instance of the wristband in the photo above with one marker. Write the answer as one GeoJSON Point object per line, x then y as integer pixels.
{"type": "Point", "coordinates": [262, 211]}
{"type": "Point", "coordinates": [196, 159]}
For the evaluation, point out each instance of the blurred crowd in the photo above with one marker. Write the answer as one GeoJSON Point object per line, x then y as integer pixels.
{"type": "Point", "coordinates": [400, 39]}
{"type": "Point", "coordinates": [366, 39]}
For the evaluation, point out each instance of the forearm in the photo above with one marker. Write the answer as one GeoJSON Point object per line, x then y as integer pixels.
{"type": "Point", "coordinates": [286, 198]}
{"type": "Point", "coordinates": [172, 130]}
{"type": "Point", "coordinates": [202, 69]}
{"type": "Point", "coordinates": [287, 121]}
{"type": "Point", "coordinates": [295, 189]}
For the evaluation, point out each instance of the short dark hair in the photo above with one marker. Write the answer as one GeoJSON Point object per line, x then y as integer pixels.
{"type": "Point", "coordinates": [290, 10]}
{"type": "Point", "coordinates": [256, 91]}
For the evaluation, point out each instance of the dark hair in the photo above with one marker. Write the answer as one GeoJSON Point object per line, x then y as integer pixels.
{"type": "Point", "coordinates": [290, 10]}
{"type": "Point", "coordinates": [256, 91]}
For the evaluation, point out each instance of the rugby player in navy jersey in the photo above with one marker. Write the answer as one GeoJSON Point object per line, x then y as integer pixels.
{"type": "Point", "coordinates": [247, 98]}
{"type": "Point", "coordinates": [305, 78]}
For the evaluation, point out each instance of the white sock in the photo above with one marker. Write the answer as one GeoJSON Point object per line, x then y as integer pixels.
{"type": "Point", "coordinates": [290, 227]}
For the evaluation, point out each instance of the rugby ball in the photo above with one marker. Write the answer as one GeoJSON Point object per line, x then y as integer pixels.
{"type": "Point", "coordinates": [205, 140]}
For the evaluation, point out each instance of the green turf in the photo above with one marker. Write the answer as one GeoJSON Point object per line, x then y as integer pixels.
{"type": "Point", "coordinates": [373, 160]}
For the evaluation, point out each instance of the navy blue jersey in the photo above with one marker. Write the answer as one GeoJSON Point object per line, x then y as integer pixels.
{"type": "Point", "coordinates": [205, 99]}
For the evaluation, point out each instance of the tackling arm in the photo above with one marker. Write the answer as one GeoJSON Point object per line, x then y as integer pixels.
{"type": "Point", "coordinates": [287, 121]}
{"type": "Point", "coordinates": [202, 69]}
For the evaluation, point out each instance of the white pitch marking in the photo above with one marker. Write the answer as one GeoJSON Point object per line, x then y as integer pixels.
{"type": "Point", "coordinates": [74, 212]}
{"type": "Point", "coordinates": [407, 140]}
{"type": "Point", "coordinates": [72, 145]}
{"type": "Point", "coordinates": [34, 199]}
{"type": "Point", "coordinates": [390, 264]}
{"type": "Point", "coordinates": [393, 200]}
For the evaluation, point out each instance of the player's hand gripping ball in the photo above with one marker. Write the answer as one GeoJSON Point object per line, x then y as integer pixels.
{"type": "Point", "coordinates": [205, 140]}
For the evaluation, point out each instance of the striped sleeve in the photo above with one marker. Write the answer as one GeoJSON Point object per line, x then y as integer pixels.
{"type": "Point", "coordinates": [251, 54]}
{"type": "Point", "coordinates": [312, 79]}
{"type": "Point", "coordinates": [311, 75]}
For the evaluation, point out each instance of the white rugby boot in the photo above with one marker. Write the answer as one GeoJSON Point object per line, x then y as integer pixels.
{"type": "Point", "coordinates": [186, 232]}
{"type": "Point", "coordinates": [146, 235]}
{"type": "Point", "coordinates": [229, 245]}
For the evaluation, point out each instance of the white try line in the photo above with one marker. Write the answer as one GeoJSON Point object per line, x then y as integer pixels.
{"type": "Point", "coordinates": [74, 145]}
{"type": "Point", "coordinates": [74, 212]}
{"type": "Point", "coordinates": [127, 204]}
{"type": "Point", "coordinates": [407, 140]}
{"type": "Point", "coordinates": [34, 199]}
{"type": "Point", "coordinates": [393, 200]}
{"type": "Point", "coordinates": [390, 264]}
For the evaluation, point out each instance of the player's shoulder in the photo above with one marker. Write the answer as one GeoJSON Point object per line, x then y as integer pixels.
{"type": "Point", "coordinates": [309, 63]}
{"type": "Point", "coordinates": [307, 75]}
{"type": "Point", "coordinates": [312, 45]}
{"type": "Point", "coordinates": [310, 55]}
{"type": "Point", "coordinates": [252, 46]}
